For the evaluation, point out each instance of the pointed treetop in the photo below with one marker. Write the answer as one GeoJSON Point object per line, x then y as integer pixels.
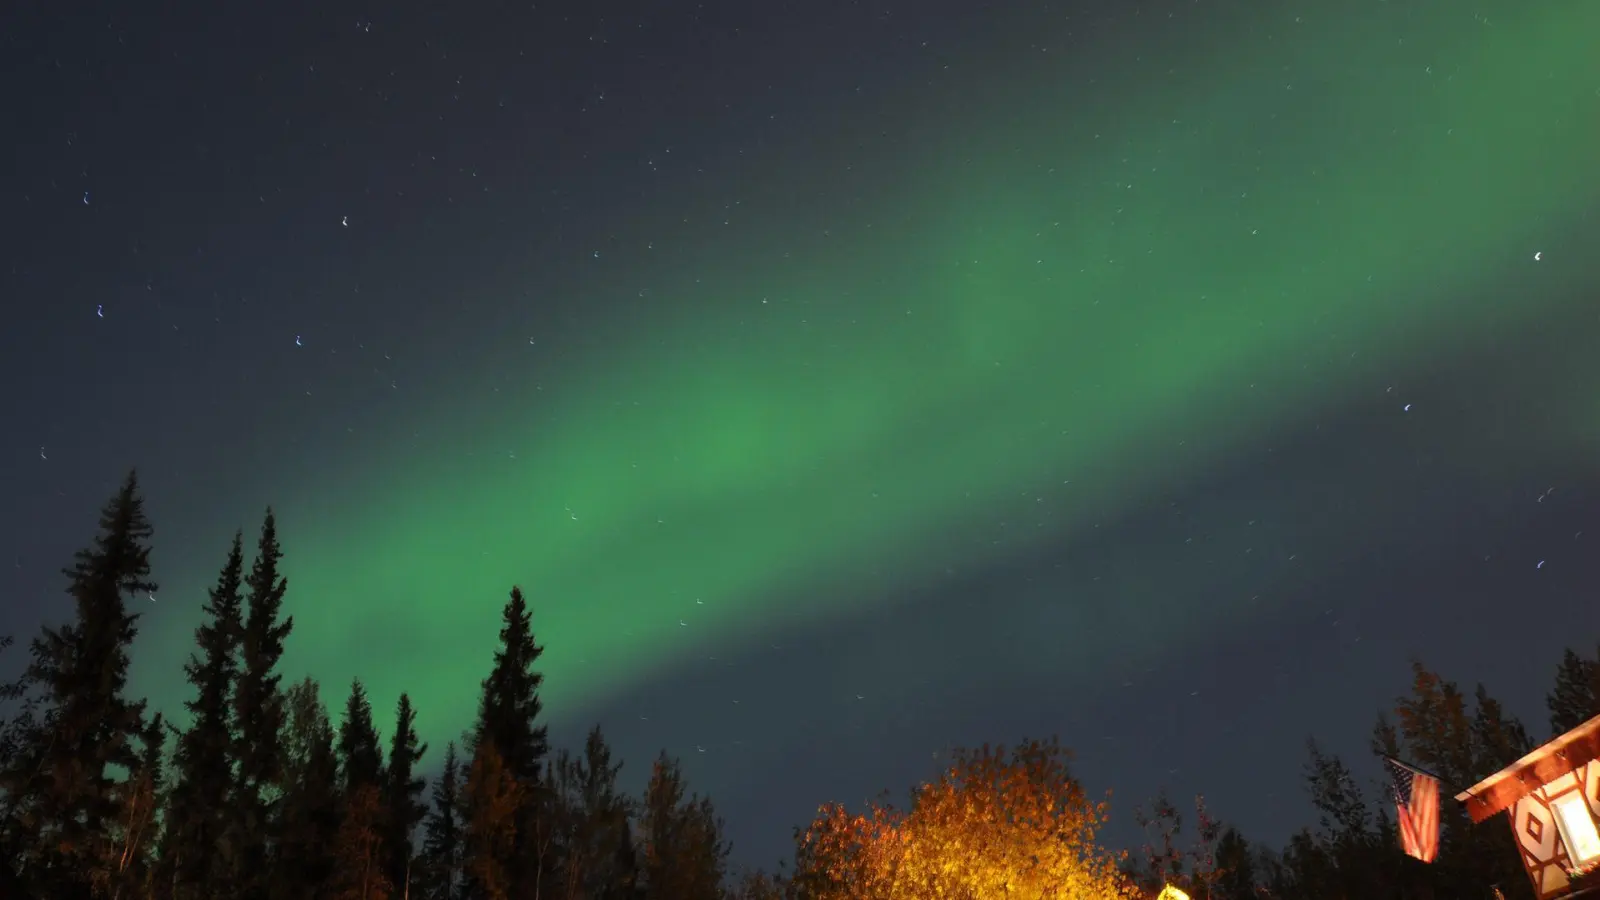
{"type": "Point", "coordinates": [121, 550]}
{"type": "Point", "coordinates": [358, 743]}
{"type": "Point", "coordinates": [264, 633]}
{"type": "Point", "coordinates": [257, 709]}
{"type": "Point", "coordinates": [508, 711]}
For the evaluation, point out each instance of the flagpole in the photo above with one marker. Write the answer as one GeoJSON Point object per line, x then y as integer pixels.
{"type": "Point", "coordinates": [1427, 884]}
{"type": "Point", "coordinates": [1418, 770]}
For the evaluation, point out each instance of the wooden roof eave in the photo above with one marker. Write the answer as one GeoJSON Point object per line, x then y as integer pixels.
{"type": "Point", "coordinates": [1544, 764]}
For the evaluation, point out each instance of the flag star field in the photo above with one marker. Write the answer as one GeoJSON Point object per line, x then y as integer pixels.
{"type": "Point", "coordinates": [842, 382]}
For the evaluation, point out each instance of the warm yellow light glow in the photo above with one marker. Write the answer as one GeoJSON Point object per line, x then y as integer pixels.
{"type": "Point", "coordinates": [1577, 828]}
{"type": "Point", "coordinates": [1171, 893]}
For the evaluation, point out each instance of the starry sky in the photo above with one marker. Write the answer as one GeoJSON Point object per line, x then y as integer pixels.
{"type": "Point", "coordinates": [842, 381]}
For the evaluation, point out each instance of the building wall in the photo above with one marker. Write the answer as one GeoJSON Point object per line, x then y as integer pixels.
{"type": "Point", "coordinates": [1533, 822]}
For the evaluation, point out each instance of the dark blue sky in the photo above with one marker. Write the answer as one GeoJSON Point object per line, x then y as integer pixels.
{"type": "Point", "coordinates": [188, 189]}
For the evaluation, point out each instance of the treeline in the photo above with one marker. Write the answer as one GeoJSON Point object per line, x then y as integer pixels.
{"type": "Point", "coordinates": [1458, 735]}
{"type": "Point", "coordinates": [1354, 850]}
{"type": "Point", "coordinates": [261, 796]}
{"type": "Point", "coordinates": [1016, 825]}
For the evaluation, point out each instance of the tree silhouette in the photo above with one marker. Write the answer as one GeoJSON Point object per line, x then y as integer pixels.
{"type": "Point", "coordinates": [268, 800]}
{"type": "Point", "coordinates": [442, 834]}
{"type": "Point", "coordinates": [359, 755]}
{"type": "Point", "coordinates": [402, 806]}
{"type": "Point", "coordinates": [312, 804]}
{"type": "Point", "coordinates": [358, 871]}
{"type": "Point", "coordinates": [259, 716]}
{"type": "Point", "coordinates": [197, 855]}
{"type": "Point", "coordinates": [1235, 866]}
{"type": "Point", "coordinates": [683, 854]}
{"type": "Point", "coordinates": [493, 797]}
{"type": "Point", "coordinates": [64, 800]}
{"type": "Point", "coordinates": [595, 846]}
{"type": "Point", "coordinates": [508, 722]}
{"type": "Point", "coordinates": [1575, 698]}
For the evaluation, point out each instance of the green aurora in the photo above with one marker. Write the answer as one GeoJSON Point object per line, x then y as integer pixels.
{"type": "Point", "coordinates": [1083, 289]}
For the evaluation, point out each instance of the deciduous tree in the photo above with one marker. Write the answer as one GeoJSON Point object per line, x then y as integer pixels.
{"type": "Point", "coordinates": [358, 871]}
{"type": "Point", "coordinates": [594, 846]}
{"type": "Point", "coordinates": [683, 855]}
{"type": "Point", "coordinates": [995, 824]}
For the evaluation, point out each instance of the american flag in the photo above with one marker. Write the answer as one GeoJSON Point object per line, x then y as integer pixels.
{"type": "Point", "coordinates": [1416, 802]}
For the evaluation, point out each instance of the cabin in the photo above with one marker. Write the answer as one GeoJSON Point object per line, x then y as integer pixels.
{"type": "Point", "coordinates": [1552, 798]}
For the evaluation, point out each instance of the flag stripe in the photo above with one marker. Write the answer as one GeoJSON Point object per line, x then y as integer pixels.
{"type": "Point", "coordinates": [1416, 801]}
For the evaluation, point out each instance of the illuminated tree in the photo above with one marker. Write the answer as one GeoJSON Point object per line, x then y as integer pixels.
{"type": "Point", "coordinates": [128, 867]}
{"type": "Point", "coordinates": [358, 872]}
{"type": "Point", "coordinates": [492, 799]}
{"type": "Point", "coordinates": [996, 824]}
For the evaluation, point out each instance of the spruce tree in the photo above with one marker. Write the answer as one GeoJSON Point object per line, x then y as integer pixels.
{"type": "Point", "coordinates": [624, 877]}
{"type": "Point", "coordinates": [1461, 740]}
{"type": "Point", "coordinates": [508, 711]}
{"type": "Point", "coordinates": [62, 798]}
{"type": "Point", "coordinates": [1499, 739]}
{"type": "Point", "coordinates": [358, 744]}
{"type": "Point", "coordinates": [130, 866]}
{"type": "Point", "coordinates": [16, 736]}
{"type": "Point", "coordinates": [508, 724]}
{"type": "Point", "coordinates": [441, 842]}
{"type": "Point", "coordinates": [403, 807]}
{"type": "Point", "coordinates": [259, 714]}
{"type": "Point", "coordinates": [1236, 875]}
{"type": "Point", "coordinates": [1575, 699]}
{"type": "Point", "coordinates": [203, 762]}
{"type": "Point", "coordinates": [311, 799]}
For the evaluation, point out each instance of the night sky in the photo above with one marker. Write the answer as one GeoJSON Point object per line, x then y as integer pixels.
{"type": "Point", "coordinates": [842, 381]}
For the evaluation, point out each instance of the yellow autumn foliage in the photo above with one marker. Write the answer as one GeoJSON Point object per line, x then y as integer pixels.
{"type": "Point", "coordinates": [996, 824]}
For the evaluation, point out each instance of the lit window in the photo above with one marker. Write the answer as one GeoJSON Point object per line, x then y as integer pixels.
{"type": "Point", "coordinates": [1577, 828]}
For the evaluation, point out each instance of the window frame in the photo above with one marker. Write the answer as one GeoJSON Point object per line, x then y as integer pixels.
{"type": "Point", "coordinates": [1557, 805]}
